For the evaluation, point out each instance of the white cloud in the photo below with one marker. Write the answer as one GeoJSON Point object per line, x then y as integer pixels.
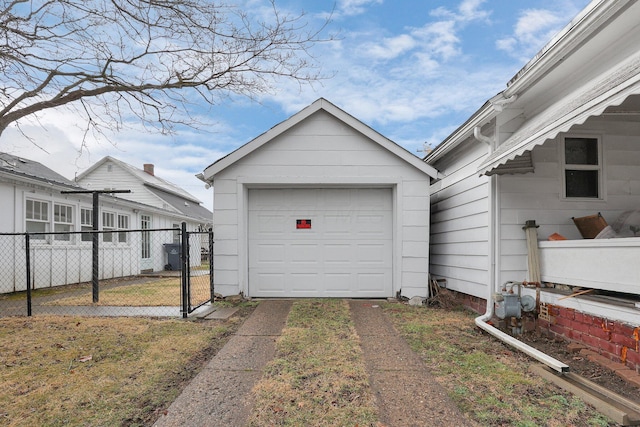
{"type": "Point", "coordinates": [532, 30]}
{"type": "Point", "coordinates": [391, 47]}
{"type": "Point", "coordinates": [355, 7]}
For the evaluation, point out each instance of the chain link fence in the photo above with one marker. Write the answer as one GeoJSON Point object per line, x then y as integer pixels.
{"type": "Point", "coordinates": [150, 272]}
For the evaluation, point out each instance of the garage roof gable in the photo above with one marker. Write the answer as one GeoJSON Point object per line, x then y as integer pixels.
{"type": "Point", "coordinates": [320, 104]}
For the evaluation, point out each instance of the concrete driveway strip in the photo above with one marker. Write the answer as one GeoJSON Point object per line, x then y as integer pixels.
{"type": "Point", "coordinates": [220, 395]}
{"type": "Point", "coordinates": [406, 392]}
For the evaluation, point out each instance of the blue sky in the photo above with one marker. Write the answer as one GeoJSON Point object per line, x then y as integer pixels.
{"type": "Point", "coordinates": [414, 70]}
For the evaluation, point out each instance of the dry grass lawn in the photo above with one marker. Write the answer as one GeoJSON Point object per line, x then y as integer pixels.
{"type": "Point", "coordinates": [161, 292]}
{"type": "Point", "coordinates": [487, 379]}
{"type": "Point", "coordinates": [318, 377]}
{"type": "Point", "coordinates": [99, 371]}
{"type": "Point", "coordinates": [108, 372]}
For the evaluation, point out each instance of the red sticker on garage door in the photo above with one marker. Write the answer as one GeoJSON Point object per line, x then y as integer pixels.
{"type": "Point", "coordinates": [303, 223]}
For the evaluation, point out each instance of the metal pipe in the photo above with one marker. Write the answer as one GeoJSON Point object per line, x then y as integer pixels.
{"type": "Point", "coordinates": [481, 322]}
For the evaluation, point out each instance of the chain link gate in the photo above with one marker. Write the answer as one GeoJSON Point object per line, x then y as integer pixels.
{"type": "Point", "coordinates": [197, 283]}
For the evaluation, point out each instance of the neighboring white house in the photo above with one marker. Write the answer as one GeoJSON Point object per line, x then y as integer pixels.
{"type": "Point", "coordinates": [33, 202]}
{"type": "Point", "coordinates": [149, 189]}
{"type": "Point", "coordinates": [561, 141]}
{"type": "Point", "coordinates": [173, 204]}
{"type": "Point", "coordinates": [321, 205]}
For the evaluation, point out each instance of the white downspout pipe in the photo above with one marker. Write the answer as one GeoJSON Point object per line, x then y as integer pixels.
{"type": "Point", "coordinates": [481, 322]}
{"type": "Point", "coordinates": [494, 230]}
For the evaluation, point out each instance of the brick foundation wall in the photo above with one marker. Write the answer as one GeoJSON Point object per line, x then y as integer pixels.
{"type": "Point", "coordinates": [616, 341]}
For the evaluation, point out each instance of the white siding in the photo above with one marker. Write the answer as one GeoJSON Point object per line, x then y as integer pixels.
{"type": "Point", "coordinates": [322, 152]}
{"type": "Point", "coordinates": [537, 196]}
{"type": "Point", "coordinates": [118, 178]}
{"type": "Point", "coordinates": [460, 222]}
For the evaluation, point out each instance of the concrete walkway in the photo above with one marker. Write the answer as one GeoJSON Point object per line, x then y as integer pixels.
{"type": "Point", "coordinates": [221, 394]}
{"type": "Point", "coordinates": [406, 393]}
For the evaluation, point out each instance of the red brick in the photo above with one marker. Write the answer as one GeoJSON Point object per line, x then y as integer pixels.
{"type": "Point", "coordinates": [574, 347]}
{"type": "Point", "coordinates": [563, 321]}
{"type": "Point", "coordinates": [553, 310]}
{"type": "Point", "coordinates": [567, 313]}
{"type": "Point", "coordinates": [583, 318]}
{"type": "Point", "coordinates": [623, 340]}
{"type": "Point", "coordinates": [558, 329]}
{"type": "Point", "coordinates": [587, 352]}
{"type": "Point", "coordinates": [630, 376]}
{"type": "Point", "coordinates": [597, 331]}
{"type": "Point", "coordinates": [543, 324]}
{"type": "Point", "coordinates": [597, 358]}
{"type": "Point", "coordinates": [612, 350]}
{"type": "Point", "coordinates": [578, 326]}
{"type": "Point", "coordinates": [633, 357]}
{"type": "Point", "coordinates": [624, 329]}
{"type": "Point", "coordinates": [572, 334]}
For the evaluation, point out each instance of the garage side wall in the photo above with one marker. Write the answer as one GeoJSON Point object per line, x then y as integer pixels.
{"type": "Point", "coordinates": [322, 152]}
{"type": "Point", "coordinates": [460, 223]}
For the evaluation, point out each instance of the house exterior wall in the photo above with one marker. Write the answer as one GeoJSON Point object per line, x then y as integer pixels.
{"type": "Point", "coordinates": [56, 263]}
{"type": "Point", "coordinates": [460, 222]}
{"type": "Point", "coordinates": [537, 196]}
{"type": "Point", "coordinates": [322, 151]}
{"type": "Point", "coordinates": [118, 178]}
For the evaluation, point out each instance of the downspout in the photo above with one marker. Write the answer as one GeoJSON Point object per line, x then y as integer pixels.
{"type": "Point", "coordinates": [493, 230]}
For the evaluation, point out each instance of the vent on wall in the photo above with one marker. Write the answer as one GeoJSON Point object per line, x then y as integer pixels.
{"type": "Point", "coordinates": [521, 164]}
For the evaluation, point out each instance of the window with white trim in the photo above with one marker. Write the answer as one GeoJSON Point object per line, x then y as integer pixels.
{"type": "Point", "coordinates": [86, 223]}
{"type": "Point", "coordinates": [36, 218]}
{"type": "Point", "coordinates": [123, 224]}
{"type": "Point", "coordinates": [62, 222]}
{"type": "Point", "coordinates": [176, 233]}
{"type": "Point", "coordinates": [582, 167]}
{"type": "Point", "coordinates": [108, 224]}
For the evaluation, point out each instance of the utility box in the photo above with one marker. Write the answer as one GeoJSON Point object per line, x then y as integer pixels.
{"type": "Point", "coordinates": [174, 253]}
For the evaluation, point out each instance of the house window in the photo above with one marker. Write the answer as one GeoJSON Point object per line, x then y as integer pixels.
{"type": "Point", "coordinates": [62, 222]}
{"type": "Point", "coordinates": [108, 224]}
{"type": "Point", "coordinates": [145, 224]}
{"type": "Point", "coordinates": [582, 167]}
{"type": "Point", "coordinates": [123, 224]}
{"type": "Point", "coordinates": [176, 233]}
{"type": "Point", "coordinates": [37, 218]}
{"type": "Point", "coordinates": [86, 224]}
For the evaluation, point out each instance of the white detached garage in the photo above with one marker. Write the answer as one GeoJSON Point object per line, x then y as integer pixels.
{"type": "Point", "coordinates": [321, 205]}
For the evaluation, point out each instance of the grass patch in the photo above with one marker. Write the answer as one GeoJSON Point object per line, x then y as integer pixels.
{"type": "Point", "coordinates": [99, 371]}
{"type": "Point", "coordinates": [485, 378]}
{"type": "Point", "coordinates": [162, 292]}
{"type": "Point", "coordinates": [318, 377]}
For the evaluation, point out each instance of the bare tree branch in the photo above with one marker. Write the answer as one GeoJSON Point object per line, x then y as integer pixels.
{"type": "Point", "coordinates": [145, 58]}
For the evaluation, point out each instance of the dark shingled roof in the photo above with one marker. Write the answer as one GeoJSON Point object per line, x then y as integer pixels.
{"type": "Point", "coordinates": [187, 207]}
{"type": "Point", "coordinates": [28, 168]}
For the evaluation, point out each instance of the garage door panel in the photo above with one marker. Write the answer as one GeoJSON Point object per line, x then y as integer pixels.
{"type": "Point", "coordinates": [305, 282]}
{"type": "Point", "coordinates": [372, 254]}
{"type": "Point", "coordinates": [346, 252]}
{"type": "Point", "coordinates": [270, 225]}
{"type": "Point", "coordinates": [371, 282]}
{"type": "Point", "coordinates": [269, 254]}
{"type": "Point", "coordinates": [338, 254]}
{"type": "Point", "coordinates": [273, 283]}
{"type": "Point", "coordinates": [339, 282]}
{"type": "Point", "coordinates": [305, 254]}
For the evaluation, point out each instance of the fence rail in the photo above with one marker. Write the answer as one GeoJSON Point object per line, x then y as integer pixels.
{"type": "Point", "coordinates": [145, 272]}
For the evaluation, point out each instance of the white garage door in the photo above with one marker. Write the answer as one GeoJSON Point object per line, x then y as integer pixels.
{"type": "Point", "coordinates": [320, 242]}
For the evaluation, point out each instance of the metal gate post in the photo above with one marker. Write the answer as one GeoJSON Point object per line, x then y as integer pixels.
{"type": "Point", "coordinates": [185, 273]}
{"type": "Point", "coordinates": [211, 283]}
{"type": "Point", "coordinates": [28, 258]}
